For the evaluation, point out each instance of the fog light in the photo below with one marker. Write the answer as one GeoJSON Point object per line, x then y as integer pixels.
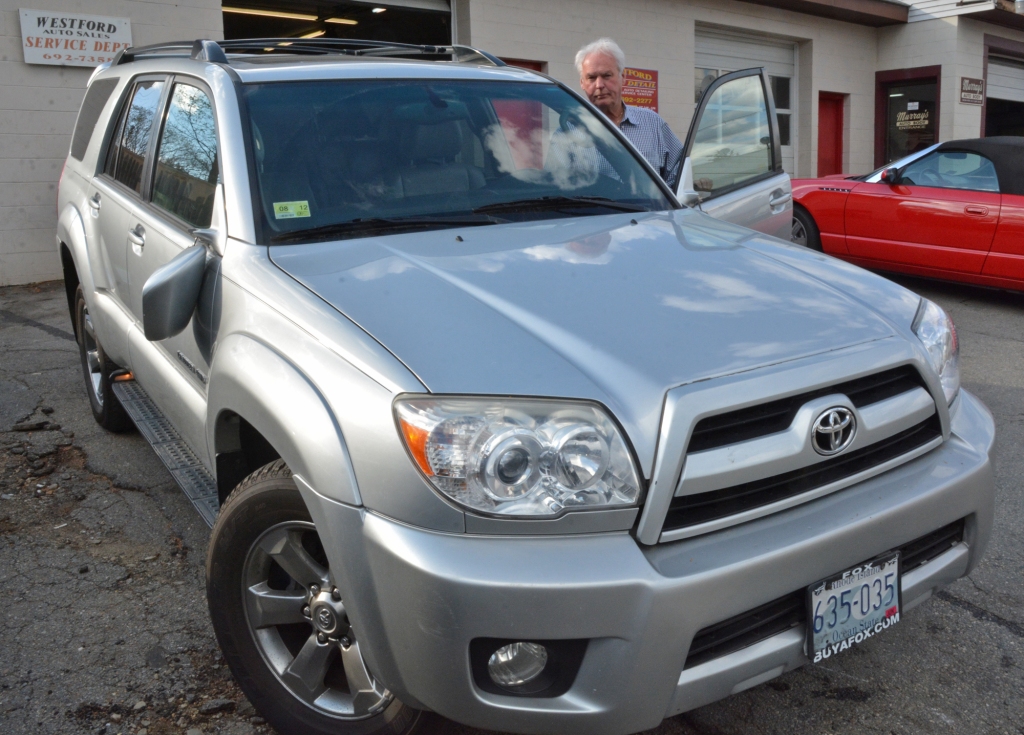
{"type": "Point", "coordinates": [517, 663]}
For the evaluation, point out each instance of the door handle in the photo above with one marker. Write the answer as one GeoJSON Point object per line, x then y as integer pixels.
{"type": "Point", "coordinates": [976, 210]}
{"type": "Point", "coordinates": [778, 198]}
{"type": "Point", "coordinates": [137, 236]}
{"type": "Point", "coordinates": [95, 203]}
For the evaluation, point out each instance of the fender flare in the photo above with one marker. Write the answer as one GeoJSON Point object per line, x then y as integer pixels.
{"type": "Point", "coordinates": [251, 380]}
{"type": "Point", "coordinates": [71, 233]}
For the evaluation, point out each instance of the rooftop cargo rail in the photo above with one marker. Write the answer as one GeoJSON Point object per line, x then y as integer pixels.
{"type": "Point", "coordinates": [217, 51]}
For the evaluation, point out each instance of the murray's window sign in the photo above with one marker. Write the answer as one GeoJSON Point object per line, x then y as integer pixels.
{"type": "Point", "coordinates": [72, 39]}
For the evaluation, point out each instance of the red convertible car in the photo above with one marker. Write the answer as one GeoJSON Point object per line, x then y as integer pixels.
{"type": "Point", "coordinates": [953, 211]}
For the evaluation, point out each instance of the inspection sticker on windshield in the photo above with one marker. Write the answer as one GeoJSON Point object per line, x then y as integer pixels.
{"type": "Point", "coordinates": [852, 606]}
{"type": "Point", "coordinates": [290, 210]}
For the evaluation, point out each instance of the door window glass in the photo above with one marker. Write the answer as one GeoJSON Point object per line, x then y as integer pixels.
{"type": "Point", "coordinates": [186, 166]}
{"type": "Point", "coordinates": [95, 99]}
{"type": "Point", "coordinates": [733, 139]}
{"type": "Point", "coordinates": [910, 118]}
{"type": "Point", "coordinates": [135, 134]}
{"type": "Point", "coordinates": [952, 170]}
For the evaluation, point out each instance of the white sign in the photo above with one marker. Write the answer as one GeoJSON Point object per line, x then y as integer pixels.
{"type": "Point", "coordinates": [72, 39]}
{"type": "Point", "coordinates": [913, 106]}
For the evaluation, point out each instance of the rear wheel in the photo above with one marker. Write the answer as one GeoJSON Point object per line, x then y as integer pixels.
{"type": "Point", "coordinates": [97, 369]}
{"type": "Point", "coordinates": [805, 230]}
{"type": "Point", "coordinates": [282, 624]}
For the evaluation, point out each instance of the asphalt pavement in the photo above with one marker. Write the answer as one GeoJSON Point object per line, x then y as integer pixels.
{"type": "Point", "coordinates": [103, 620]}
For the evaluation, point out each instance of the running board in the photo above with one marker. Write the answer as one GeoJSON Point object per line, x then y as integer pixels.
{"type": "Point", "coordinates": [190, 474]}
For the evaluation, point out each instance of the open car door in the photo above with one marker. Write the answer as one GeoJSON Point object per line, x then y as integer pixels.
{"type": "Point", "coordinates": [732, 160]}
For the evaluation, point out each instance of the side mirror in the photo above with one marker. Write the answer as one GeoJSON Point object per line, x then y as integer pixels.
{"type": "Point", "coordinates": [170, 294]}
{"type": "Point", "coordinates": [688, 196]}
{"type": "Point", "coordinates": [890, 176]}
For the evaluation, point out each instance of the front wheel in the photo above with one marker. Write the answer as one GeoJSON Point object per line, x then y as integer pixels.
{"type": "Point", "coordinates": [96, 369]}
{"type": "Point", "coordinates": [281, 622]}
{"type": "Point", "coordinates": [805, 230]}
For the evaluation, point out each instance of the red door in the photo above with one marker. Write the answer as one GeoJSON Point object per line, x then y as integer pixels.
{"type": "Point", "coordinates": [830, 133]}
{"type": "Point", "coordinates": [940, 215]}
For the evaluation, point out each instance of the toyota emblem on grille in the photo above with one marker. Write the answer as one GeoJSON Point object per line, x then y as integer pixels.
{"type": "Point", "coordinates": [833, 430]}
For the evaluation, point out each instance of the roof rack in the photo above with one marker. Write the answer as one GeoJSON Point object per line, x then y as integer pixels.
{"type": "Point", "coordinates": [217, 51]}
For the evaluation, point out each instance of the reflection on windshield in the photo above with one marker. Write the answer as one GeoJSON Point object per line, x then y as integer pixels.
{"type": "Point", "coordinates": [332, 153]}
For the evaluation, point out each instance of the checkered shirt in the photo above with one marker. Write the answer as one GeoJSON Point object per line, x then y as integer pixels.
{"type": "Point", "coordinates": [651, 135]}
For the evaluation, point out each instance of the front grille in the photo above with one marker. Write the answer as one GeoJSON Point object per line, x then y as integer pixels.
{"type": "Point", "coordinates": [790, 611]}
{"type": "Point", "coordinates": [689, 510]}
{"type": "Point", "coordinates": [770, 418]}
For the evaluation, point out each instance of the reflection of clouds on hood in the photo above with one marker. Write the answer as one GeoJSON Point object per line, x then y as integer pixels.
{"type": "Point", "coordinates": [380, 268]}
{"type": "Point", "coordinates": [593, 249]}
{"type": "Point", "coordinates": [715, 293]}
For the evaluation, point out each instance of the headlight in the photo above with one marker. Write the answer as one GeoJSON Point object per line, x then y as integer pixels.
{"type": "Point", "coordinates": [519, 457]}
{"type": "Point", "coordinates": [936, 331]}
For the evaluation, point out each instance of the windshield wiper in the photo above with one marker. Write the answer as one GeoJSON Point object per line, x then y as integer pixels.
{"type": "Point", "coordinates": [364, 225]}
{"type": "Point", "coordinates": [559, 202]}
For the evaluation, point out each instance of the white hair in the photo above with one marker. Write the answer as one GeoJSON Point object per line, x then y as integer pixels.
{"type": "Point", "coordinates": [601, 46]}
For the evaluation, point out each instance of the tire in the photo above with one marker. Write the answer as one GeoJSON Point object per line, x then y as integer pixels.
{"type": "Point", "coordinates": [96, 370]}
{"type": "Point", "coordinates": [299, 683]}
{"type": "Point", "coordinates": [805, 230]}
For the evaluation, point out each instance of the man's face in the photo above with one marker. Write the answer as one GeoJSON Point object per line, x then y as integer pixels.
{"type": "Point", "coordinates": [601, 80]}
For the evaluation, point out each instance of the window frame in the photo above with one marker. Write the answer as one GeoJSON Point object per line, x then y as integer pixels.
{"type": "Point", "coordinates": [115, 137]}
{"type": "Point", "coordinates": [149, 207]}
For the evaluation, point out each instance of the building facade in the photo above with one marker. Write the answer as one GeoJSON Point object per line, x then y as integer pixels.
{"type": "Point", "coordinates": [857, 83]}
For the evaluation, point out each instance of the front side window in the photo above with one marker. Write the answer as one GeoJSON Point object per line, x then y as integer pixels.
{"type": "Point", "coordinates": [952, 170]}
{"type": "Point", "coordinates": [129, 158]}
{"type": "Point", "coordinates": [186, 164]}
{"type": "Point", "coordinates": [349, 158]}
{"type": "Point", "coordinates": [733, 140]}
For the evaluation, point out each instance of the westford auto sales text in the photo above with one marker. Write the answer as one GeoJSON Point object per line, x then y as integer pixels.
{"type": "Point", "coordinates": [74, 34]}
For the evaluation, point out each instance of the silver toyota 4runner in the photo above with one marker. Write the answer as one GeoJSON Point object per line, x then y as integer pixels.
{"type": "Point", "coordinates": [486, 422]}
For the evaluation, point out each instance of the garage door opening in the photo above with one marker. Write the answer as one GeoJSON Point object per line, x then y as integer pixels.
{"type": "Point", "coordinates": [409, 21]}
{"type": "Point", "coordinates": [1004, 107]}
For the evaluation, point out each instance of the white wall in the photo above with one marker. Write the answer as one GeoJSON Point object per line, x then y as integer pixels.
{"type": "Point", "coordinates": [38, 107]}
{"type": "Point", "coordinates": [957, 44]}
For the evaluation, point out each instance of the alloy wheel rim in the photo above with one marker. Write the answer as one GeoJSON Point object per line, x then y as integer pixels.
{"type": "Point", "coordinates": [799, 233]}
{"type": "Point", "coordinates": [298, 621]}
{"type": "Point", "coordinates": [91, 356]}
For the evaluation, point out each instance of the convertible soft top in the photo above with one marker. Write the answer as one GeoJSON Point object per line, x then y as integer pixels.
{"type": "Point", "coordinates": [1006, 153]}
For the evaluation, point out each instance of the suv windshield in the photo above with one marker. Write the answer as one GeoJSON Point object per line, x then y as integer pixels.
{"type": "Point", "coordinates": [353, 158]}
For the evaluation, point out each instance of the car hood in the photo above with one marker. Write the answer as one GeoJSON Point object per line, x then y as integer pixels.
{"type": "Point", "coordinates": [614, 308]}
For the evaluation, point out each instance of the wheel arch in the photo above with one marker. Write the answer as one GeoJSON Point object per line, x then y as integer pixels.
{"type": "Point", "coordinates": [262, 407]}
{"type": "Point", "coordinates": [71, 282]}
{"type": "Point", "coordinates": [74, 254]}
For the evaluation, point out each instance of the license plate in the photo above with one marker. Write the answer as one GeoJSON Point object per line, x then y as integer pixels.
{"type": "Point", "coordinates": [853, 606]}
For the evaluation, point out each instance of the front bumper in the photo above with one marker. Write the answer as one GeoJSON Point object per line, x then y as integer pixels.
{"type": "Point", "coordinates": [417, 598]}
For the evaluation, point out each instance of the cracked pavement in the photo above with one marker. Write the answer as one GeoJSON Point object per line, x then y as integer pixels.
{"type": "Point", "coordinates": [103, 620]}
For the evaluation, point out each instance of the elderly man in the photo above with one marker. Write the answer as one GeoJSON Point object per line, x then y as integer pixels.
{"type": "Point", "coordinates": [601, 65]}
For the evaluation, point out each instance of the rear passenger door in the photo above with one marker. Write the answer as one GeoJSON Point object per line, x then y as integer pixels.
{"type": "Point", "coordinates": [114, 194]}
{"type": "Point", "coordinates": [180, 197]}
{"type": "Point", "coordinates": [735, 154]}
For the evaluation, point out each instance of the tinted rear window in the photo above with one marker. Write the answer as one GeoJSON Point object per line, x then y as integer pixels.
{"type": "Point", "coordinates": [92, 106]}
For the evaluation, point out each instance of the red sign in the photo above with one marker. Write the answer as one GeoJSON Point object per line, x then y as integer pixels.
{"type": "Point", "coordinates": [640, 88]}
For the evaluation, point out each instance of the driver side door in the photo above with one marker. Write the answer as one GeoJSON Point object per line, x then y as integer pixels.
{"type": "Point", "coordinates": [941, 214]}
{"type": "Point", "coordinates": [734, 152]}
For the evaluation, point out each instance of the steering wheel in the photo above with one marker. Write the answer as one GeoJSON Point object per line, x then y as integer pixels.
{"type": "Point", "coordinates": [931, 178]}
